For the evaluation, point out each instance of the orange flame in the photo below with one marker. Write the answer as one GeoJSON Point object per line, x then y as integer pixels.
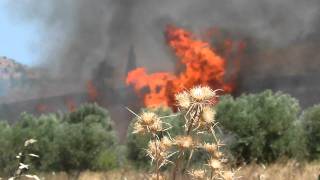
{"type": "Point", "coordinates": [92, 91]}
{"type": "Point", "coordinates": [41, 108]}
{"type": "Point", "coordinates": [202, 66]}
{"type": "Point", "coordinates": [71, 105]}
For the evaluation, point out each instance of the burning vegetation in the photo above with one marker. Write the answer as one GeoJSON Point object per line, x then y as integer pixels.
{"type": "Point", "coordinates": [200, 65]}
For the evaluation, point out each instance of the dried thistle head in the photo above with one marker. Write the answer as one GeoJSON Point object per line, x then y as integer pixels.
{"type": "Point", "coordinates": [213, 150]}
{"type": "Point", "coordinates": [184, 142]}
{"type": "Point", "coordinates": [165, 143]}
{"type": "Point", "coordinates": [207, 115]}
{"type": "Point", "coordinates": [148, 118]}
{"type": "Point", "coordinates": [209, 93]}
{"type": "Point", "coordinates": [202, 93]}
{"type": "Point", "coordinates": [138, 128]}
{"type": "Point", "coordinates": [215, 164]}
{"type": "Point", "coordinates": [158, 152]}
{"type": "Point", "coordinates": [148, 122]}
{"type": "Point", "coordinates": [183, 99]}
{"type": "Point", "coordinates": [210, 148]}
{"type": "Point", "coordinates": [197, 93]}
{"type": "Point", "coordinates": [218, 155]}
{"type": "Point", "coordinates": [155, 127]}
{"type": "Point", "coordinates": [197, 174]}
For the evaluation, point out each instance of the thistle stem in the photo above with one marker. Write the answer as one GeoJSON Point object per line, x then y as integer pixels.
{"type": "Point", "coordinates": [157, 156]}
{"type": "Point", "coordinates": [176, 165]}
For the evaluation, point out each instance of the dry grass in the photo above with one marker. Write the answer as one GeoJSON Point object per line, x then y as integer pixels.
{"type": "Point", "coordinates": [289, 171]}
{"type": "Point", "coordinates": [278, 171]}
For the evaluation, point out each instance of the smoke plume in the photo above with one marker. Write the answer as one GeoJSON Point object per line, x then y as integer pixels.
{"type": "Point", "coordinates": [78, 34]}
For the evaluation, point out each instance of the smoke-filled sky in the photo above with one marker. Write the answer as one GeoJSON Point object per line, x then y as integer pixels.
{"type": "Point", "coordinates": [76, 34]}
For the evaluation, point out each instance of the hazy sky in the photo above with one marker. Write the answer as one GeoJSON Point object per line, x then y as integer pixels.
{"type": "Point", "coordinates": [17, 38]}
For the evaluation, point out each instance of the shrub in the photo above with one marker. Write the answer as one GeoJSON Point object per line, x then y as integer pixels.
{"type": "Point", "coordinates": [265, 126]}
{"type": "Point", "coordinates": [83, 136]}
{"type": "Point", "coordinates": [107, 159]}
{"type": "Point", "coordinates": [77, 141]}
{"type": "Point", "coordinates": [311, 122]}
{"type": "Point", "coordinates": [7, 156]}
{"type": "Point", "coordinates": [43, 129]}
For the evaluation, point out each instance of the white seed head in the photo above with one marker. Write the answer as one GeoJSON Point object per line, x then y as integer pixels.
{"type": "Point", "coordinates": [147, 122]}
{"type": "Point", "coordinates": [201, 93]}
{"type": "Point", "coordinates": [208, 115]}
{"type": "Point", "coordinates": [210, 148]}
{"type": "Point", "coordinates": [155, 127]}
{"type": "Point", "coordinates": [184, 142]}
{"type": "Point", "coordinates": [214, 163]}
{"type": "Point", "coordinates": [138, 128]}
{"type": "Point", "coordinates": [165, 142]}
{"type": "Point", "coordinates": [197, 93]}
{"type": "Point", "coordinates": [209, 93]}
{"type": "Point", "coordinates": [183, 99]}
{"type": "Point", "coordinates": [148, 118]}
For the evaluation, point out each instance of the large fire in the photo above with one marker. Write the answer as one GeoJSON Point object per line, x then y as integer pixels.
{"type": "Point", "coordinates": [71, 105]}
{"type": "Point", "coordinates": [200, 63]}
{"type": "Point", "coordinates": [92, 91]}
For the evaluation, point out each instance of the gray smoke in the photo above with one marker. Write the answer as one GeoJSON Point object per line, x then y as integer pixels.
{"type": "Point", "coordinates": [78, 34]}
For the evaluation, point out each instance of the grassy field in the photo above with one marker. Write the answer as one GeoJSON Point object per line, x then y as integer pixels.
{"type": "Point", "coordinates": [278, 171]}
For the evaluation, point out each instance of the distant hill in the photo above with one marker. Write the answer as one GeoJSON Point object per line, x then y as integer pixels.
{"type": "Point", "coordinates": [16, 76]}
{"type": "Point", "coordinates": [10, 69]}
{"type": "Point", "coordinates": [10, 72]}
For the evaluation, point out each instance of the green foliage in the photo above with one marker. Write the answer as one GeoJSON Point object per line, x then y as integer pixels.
{"type": "Point", "coordinates": [79, 140]}
{"type": "Point", "coordinates": [311, 122]}
{"type": "Point", "coordinates": [258, 127]}
{"type": "Point", "coordinates": [265, 126]}
{"type": "Point", "coordinates": [43, 129]}
{"type": "Point", "coordinates": [7, 157]}
{"type": "Point", "coordinates": [261, 127]}
{"type": "Point", "coordinates": [90, 113]}
{"type": "Point", "coordinates": [107, 159]}
{"type": "Point", "coordinates": [85, 134]}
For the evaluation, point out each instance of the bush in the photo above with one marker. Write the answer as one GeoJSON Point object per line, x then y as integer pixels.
{"type": "Point", "coordinates": [7, 156]}
{"type": "Point", "coordinates": [43, 129]}
{"type": "Point", "coordinates": [82, 137]}
{"type": "Point", "coordinates": [79, 140]}
{"type": "Point", "coordinates": [264, 126]}
{"type": "Point", "coordinates": [311, 122]}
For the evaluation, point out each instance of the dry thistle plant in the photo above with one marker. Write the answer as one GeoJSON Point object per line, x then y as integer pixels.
{"type": "Point", "coordinates": [158, 148]}
{"type": "Point", "coordinates": [196, 106]}
{"type": "Point", "coordinates": [23, 156]}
